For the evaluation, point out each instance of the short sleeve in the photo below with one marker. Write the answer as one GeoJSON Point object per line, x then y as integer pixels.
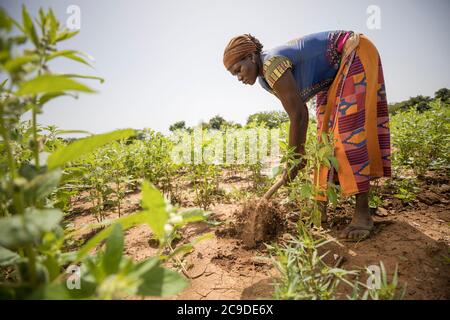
{"type": "Point", "coordinates": [274, 67]}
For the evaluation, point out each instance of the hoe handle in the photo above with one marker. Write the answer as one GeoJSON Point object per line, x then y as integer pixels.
{"type": "Point", "coordinates": [273, 189]}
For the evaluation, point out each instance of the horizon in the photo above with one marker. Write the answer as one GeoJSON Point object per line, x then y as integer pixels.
{"type": "Point", "coordinates": [151, 83]}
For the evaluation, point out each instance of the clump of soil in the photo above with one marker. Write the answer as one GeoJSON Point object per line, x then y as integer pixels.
{"type": "Point", "coordinates": [258, 221]}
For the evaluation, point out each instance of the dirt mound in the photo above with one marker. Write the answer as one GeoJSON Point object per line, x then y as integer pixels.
{"type": "Point", "coordinates": [257, 221]}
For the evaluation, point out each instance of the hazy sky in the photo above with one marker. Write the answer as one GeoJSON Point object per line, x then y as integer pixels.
{"type": "Point", "coordinates": [162, 60]}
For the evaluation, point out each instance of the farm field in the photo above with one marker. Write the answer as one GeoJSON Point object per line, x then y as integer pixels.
{"type": "Point", "coordinates": [414, 237]}
{"type": "Point", "coordinates": [138, 214]}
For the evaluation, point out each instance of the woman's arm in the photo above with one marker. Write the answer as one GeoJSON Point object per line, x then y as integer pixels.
{"type": "Point", "coordinates": [287, 91]}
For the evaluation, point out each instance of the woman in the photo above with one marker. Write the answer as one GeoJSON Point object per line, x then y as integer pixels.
{"type": "Point", "coordinates": [342, 69]}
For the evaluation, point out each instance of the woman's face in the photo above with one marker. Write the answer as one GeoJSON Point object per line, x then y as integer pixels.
{"type": "Point", "coordinates": [246, 70]}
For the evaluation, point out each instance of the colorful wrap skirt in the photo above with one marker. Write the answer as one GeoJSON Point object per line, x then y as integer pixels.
{"type": "Point", "coordinates": [354, 112]}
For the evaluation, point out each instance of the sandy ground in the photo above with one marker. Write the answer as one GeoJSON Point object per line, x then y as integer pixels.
{"type": "Point", "coordinates": [415, 237]}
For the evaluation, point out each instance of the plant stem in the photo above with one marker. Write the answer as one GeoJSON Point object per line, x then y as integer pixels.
{"type": "Point", "coordinates": [5, 136]}
{"type": "Point", "coordinates": [17, 194]}
{"type": "Point", "coordinates": [31, 263]}
{"type": "Point", "coordinates": [35, 138]}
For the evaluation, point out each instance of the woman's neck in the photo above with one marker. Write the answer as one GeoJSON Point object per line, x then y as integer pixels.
{"type": "Point", "coordinates": [260, 66]}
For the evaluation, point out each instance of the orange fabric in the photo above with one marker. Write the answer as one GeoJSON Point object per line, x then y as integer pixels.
{"type": "Point", "coordinates": [369, 58]}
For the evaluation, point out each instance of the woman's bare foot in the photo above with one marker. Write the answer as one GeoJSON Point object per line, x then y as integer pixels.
{"type": "Point", "coordinates": [362, 223]}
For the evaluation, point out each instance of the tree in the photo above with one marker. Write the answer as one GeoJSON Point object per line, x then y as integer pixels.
{"type": "Point", "coordinates": [443, 94]}
{"type": "Point", "coordinates": [271, 119]}
{"type": "Point", "coordinates": [420, 103]}
{"type": "Point", "coordinates": [217, 122]}
{"type": "Point", "coordinates": [180, 125]}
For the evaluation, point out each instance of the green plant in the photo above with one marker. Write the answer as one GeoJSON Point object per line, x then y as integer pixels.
{"type": "Point", "coordinates": [303, 273]}
{"type": "Point", "coordinates": [303, 190]}
{"type": "Point", "coordinates": [405, 189]}
{"type": "Point", "coordinates": [420, 140]}
{"type": "Point", "coordinates": [380, 288]}
{"type": "Point", "coordinates": [204, 178]}
{"type": "Point", "coordinates": [33, 257]}
{"type": "Point", "coordinates": [375, 199]}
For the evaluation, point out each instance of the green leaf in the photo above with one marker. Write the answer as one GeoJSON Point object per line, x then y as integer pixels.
{"type": "Point", "coordinates": [188, 247]}
{"type": "Point", "coordinates": [84, 146]}
{"type": "Point", "coordinates": [54, 25]}
{"type": "Point", "coordinates": [193, 215]}
{"type": "Point", "coordinates": [8, 257]}
{"type": "Point", "coordinates": [161, 282]}
{"type": "Point", "coordinates": [19, 230]}
{"type": "Point", "coordinates": [14, 64]}
{"type": "Point", "coordinates": [66, 34]}
{"type": "Point", "coordinates": [51, 84]}
{"type": "Point", "coordinates": [305, 191]}
{"type": "Point", "coordinates": [62, 132]}
{"type": "Point", "coordinates": [5, 20]}
{"type": "Point", "coordinates": [50, 96]}
{"type": "Point", "coordinates": [145, 266]}
{"type": "Point", "coordinates": [114, 250]}
{"type": "Point", "coordinates": [126, 223]}
{"type": "Point", "coordinates": [71, 75]}
{"type": "Point", "coordinates": [69, 54]}
{"type": "Point", "coordinates": [154, 203]}
{"type": "Point", "coordinates": [276, 171]}
{"type": "Point", "coordinates": [43, 185]}
{"type": "Point", "coordinates": [28, 26]}
{"type": "Point", "coordinates": [2, 85]}
{"type": "Point", "coordinates": [335, 163]}
{"type": "Point", "coordinates": [332, 196]}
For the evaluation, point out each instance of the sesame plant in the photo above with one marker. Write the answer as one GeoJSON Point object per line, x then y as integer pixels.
{"type": "Point", "coordinates": [34, 260]}
{"type": "Point", "coordinates": [304, 274]}
{"type": "Point", "coordinates": [303, 190]}
{"type": "Point", "coordinates": [421, 139]}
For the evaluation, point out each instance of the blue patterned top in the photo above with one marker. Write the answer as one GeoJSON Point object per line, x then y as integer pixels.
{"type": "Point", "coordinates": [313, 59]}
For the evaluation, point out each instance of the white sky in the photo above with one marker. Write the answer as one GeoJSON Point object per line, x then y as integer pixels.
{"type": "Point", "coordinates": [162, 60]}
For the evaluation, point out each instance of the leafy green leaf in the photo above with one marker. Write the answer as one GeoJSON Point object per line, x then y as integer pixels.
{"type": "Point", "coordinates": [334, 162]}
{"type": "Point", "coordinates": [126, 223]}
{"type": "Point", "coordinates": [66, 34]}
{"type": "Point", "coordinates": [161, 282]}
{"type": "Point", "coordinates": [8, 257]}
{"type": "Point", "coordinates": [190, 246]}
{"type": "Point", "coordinates": [46, 97]}
{"type": "Point", "coordinates": [69, 54]}
{"type": "Point", "coordinates": [84, 146]}
{"type": "Point", "coordinates": [154, 203]}
{"type": "Point", "coordinates": [5, 20]}
{"type": "Point", "coordinates": [114, 250]}
{"type": "Point", "coordinates": [2, 85]}
{"type": "Point", "coordinates": [332, 196]}
{"type": "Point", "coordinates": [28, 26]}
{"type": "Point", "coordinates": [14, 64]}
{"type": "Point", "coordinates": [193, 215]}
{"type": "Point", "coordinates": [54, 25]}
{"type": "Point", "coordinates": [42, 185]}
{"type": "Point", "coordinates": [51, 84]}
{"type": "Point", "coordinates": [145, 266]}
{"type": "Point", "coordinates": [61, 132]}
{"type": "Point", "coordinates": [19, 230]}
{"type": "Point", "coordinates": [72, 75]}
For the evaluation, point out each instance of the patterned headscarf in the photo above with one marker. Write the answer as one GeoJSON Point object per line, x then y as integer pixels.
{"type": "Point", "coordinates": [239, 47]}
